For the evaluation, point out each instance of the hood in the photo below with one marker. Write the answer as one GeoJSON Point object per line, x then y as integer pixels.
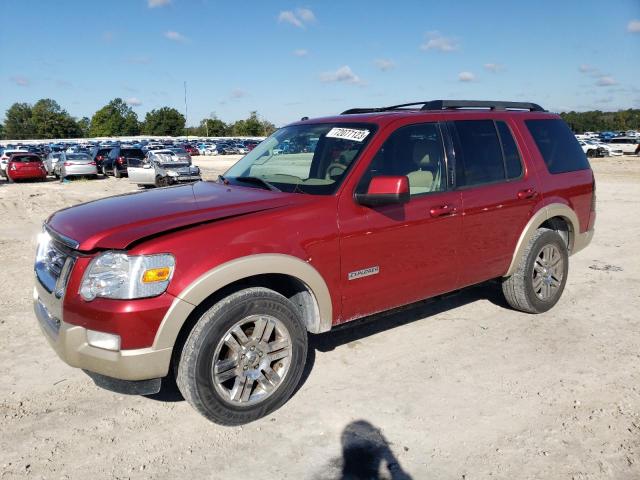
{"type": "Point", "coordinates": [116, 222]}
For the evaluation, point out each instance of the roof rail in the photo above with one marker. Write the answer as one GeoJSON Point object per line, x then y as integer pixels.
{"type": "Point", "coordinates": [492, 105]}
{"type": "Point", "coordinates": [453, 105]}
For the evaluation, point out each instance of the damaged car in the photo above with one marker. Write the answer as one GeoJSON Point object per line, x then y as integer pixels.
{"type": "Point", "coordinates": [161, 168]}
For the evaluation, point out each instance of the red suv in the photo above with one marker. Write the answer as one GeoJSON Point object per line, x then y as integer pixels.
{"type": "Point", "coordinates": [326, 221]}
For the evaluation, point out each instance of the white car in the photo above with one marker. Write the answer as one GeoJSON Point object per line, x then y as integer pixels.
{"type": "Point", "coordinates": [4, 159]}
{"type": "Point", "coordinates": [628, 145]}
{"type": "Point", "coordinates": [162, 168]}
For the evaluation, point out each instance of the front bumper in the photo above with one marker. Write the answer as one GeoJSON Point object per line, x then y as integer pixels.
{"type": "Point", "coordinates": [71, 344]}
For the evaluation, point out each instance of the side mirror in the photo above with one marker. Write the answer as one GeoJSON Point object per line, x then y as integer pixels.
{"type": "Point", "coordinates": [385, 190]}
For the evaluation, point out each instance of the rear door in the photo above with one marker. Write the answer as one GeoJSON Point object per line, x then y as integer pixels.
{"type": "Point", "coordinates": [498, 196]}
{"type": "Point", "coordinates": [141, 172]}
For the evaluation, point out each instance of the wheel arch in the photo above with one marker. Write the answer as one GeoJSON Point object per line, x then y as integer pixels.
{"type": "Point", "coordinates": [285, 274]}
{"type": "Point", "coordinates": [557, 216]}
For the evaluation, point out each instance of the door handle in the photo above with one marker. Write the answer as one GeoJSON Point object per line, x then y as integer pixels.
{"type": "Point", "coordinates": [443, 210]}
{"type": "Point", "coordinates": [526, 194]}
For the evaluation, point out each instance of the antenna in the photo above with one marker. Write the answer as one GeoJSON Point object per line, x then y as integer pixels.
{"type": "Point", "coordinates": [186, 109]}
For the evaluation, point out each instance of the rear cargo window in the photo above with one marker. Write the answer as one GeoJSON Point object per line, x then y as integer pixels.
{"type": "Point", "coordinates": [558, 146]}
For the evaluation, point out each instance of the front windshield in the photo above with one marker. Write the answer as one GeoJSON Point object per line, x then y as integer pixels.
{"type": "Point", "coordinates": [311, 158]}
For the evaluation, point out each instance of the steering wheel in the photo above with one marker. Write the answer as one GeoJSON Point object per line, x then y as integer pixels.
{"type": "Point", "coordinates": [335, 170]}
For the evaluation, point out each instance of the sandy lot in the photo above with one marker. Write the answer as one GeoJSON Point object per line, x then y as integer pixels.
{"type": "Point", "coordinates": [461, 388]}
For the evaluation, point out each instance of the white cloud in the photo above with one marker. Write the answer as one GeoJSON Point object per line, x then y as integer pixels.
{"type": "Point", "coordinates": [633, 26]}
{"type": "Point", "coordinates": [301, 52]}
{"type": "Point", "coordinates": [343, 74]}
{"type": "Point", "coordinates": [298, 18]}
{"type": "Point", "coordinates": [20, 80]}
{"type": "Point", "coordinates": [436, 41]}
{"type": "Point", "coordinates": [133, 101]}
{"type": "Point", "coordinates": [589, 69]}
{"type": "Point", "coordinates": [606, 81]}
{"type": "Point", "coordinates": [238, 93]}
{"type": "Point", "coordinates": [175, 36]}
{"type": "Point", "coordinates": [384, 64]}
{"type": "Point", "coordinates": [493, 67]}
{"type": "Point", "coordinates": [157, 3]}
{"type": "Point", "coordinates": [289, 17]}
{"type": "Point", "coordinates": [466, 77]}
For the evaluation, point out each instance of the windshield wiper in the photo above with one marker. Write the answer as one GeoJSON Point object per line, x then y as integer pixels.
{"type": "Point", "coordinates": [258, 181]}
{"type": "Point", "coordinates": [223, 180]}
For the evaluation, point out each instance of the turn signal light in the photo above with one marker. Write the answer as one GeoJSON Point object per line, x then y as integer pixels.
{"type": "Point", "coordinates": [152, 275]}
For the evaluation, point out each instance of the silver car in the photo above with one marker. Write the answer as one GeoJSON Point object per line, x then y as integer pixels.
{"type": "Point", "coordinates": [74, 164]}
{"type": "Point", "coordinates": [161, 168]}
{"type": "Point", "coordinates": [51, 161]}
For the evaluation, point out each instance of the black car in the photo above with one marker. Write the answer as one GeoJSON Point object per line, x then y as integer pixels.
{"type": "Point", "coordinates": [117, 161]}
{"type": "Point", "coordinates": [99, 155]}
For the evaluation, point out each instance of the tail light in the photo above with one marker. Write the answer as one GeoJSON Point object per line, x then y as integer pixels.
{"type": "Point", "coordinates": [67, 164]}
{"type": "Point", "coordinates": [13, 166]}
{"type": "Point", "coordinates": [120, 160]}
{"type": "Point", "coordinates": [99, 158]}
{"type": "Point", "coordinates": [92, 163]}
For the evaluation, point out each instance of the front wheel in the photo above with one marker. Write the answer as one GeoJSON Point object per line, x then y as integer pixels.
{"type": "Point", "coordinates": [539, 280]}
{"type": "Point", "coordinates": [244, 357]}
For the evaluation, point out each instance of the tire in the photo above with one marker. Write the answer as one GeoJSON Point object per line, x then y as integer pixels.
{"type": "Point", "coordinates": [591, 153]}
{"type": "Point", "coordinates": [162, 182]}
{"type": "Point", "coordinates": [229, 402]}
{"type": "Point", "coordinates": [104, 171]}
{"type": "Point", "coordinates": [116, 172]}
{"type": "Point", "coordinates": [537, 295]}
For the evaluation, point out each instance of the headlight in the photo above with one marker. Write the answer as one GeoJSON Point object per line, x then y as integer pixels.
{"type": "Point", "coordinates": [122, 276]}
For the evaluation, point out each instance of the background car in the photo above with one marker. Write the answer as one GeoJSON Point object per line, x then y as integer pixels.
{"type": "Point", "coordinates": [4, 160]}
{"type": "Point", "coordinates": [99, 155]}
{"type": "Point", "coordinates": [75, 164]}
{"type": "Point", "coordinates": [116, 162]}
{"type": "Point", "coordinates": [181, 154]}
{"type": "Point", "coordinates": [162, 168]}
{"type": "Point", "coordinates": [25, 167]}
{"type": "Point", "coordinates": [191, 150]}
{"type": "Point", "coordinates": [51, 160]}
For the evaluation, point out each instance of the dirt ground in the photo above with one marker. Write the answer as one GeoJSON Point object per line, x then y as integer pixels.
{"type": "Point", "coordinates": [461, 388]}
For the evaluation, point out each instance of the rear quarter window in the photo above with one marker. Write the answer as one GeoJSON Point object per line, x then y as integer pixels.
{"type": "Point", "coordinates": [557, 145]}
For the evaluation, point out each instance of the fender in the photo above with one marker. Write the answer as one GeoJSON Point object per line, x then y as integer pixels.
{"type": "Point", "coordinates": [238, 269]}
{"type": "Point", "coordinates": [575, 241]}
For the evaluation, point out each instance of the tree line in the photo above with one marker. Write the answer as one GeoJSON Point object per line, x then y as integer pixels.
{"type": "Point", "coordinates": [597, 121]}
{"type": "Point", "coordinates": [47, 119]}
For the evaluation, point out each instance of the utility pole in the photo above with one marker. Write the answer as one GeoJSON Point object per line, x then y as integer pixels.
{"type": "Point", "coordinates": [186, 109]}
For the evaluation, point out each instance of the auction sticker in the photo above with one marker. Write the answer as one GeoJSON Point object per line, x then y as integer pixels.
{"type": "Point", "coordinates": [348, 134]}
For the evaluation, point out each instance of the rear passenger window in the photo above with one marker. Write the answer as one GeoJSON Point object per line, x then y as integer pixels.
{"type": "Point", "coordinates": [558, 146]}
{"type": "Point", "coordinates": [512, 161]}
{"type": "Point", "coordinates": [478, 153]}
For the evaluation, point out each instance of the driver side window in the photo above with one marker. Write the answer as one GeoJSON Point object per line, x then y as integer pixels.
{"type": "Point", "coordinates": [416, 152]}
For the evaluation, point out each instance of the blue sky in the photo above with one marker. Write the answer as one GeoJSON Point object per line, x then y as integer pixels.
{"type": "Point", "coordinates": [291, 59]}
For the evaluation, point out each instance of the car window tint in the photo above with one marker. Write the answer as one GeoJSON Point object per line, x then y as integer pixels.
{"type": "Point", "coordinates": [415, 151]}
{"type": "Point", "coordinates": [511, 155]}
{"type": "Point", "coordinates": [557, 145]}
{"type": "Point", "coordinates": [478, 153]}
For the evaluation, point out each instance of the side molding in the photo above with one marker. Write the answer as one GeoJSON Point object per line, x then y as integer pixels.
{"type": "Point", "coordinates": [541, 216]}
{"type": "Point", "coordinates": [239, 269]}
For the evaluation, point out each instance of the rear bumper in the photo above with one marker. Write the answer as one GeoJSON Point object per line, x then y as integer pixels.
{"type": "Point", "coordinates": [80, 170]}
{"type": "Point", "coordinates": [71, 344]}
{"type": "Point", "coordinates": [582, 240]}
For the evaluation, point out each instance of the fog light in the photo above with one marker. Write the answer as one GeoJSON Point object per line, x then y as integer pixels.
{"type": "Point", "coordinates": [108, 341]}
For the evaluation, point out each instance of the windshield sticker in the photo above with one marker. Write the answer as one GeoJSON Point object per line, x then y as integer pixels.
{"type": "Point", "coordinates": [348, 134]}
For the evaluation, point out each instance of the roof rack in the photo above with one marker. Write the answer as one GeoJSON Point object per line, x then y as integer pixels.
{"type": "Point", "coordinates": [432, 105]}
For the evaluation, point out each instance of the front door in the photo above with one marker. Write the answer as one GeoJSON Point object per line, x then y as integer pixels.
{"type": "Point", "coordinates": [397, 254]}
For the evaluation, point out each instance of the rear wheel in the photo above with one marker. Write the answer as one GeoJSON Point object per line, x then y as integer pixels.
{"type": "Point", "coordinates": [244, 357]}
{"type": "Point", "coordinates": [539, 280]}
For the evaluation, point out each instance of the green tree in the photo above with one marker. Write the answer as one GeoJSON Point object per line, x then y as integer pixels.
{"type": "Point", "coordinates": [213, 127]}
{"type": "Point", "coordinates": [84, 125]}
{"type": "Point", "coordinates": [164, 121]}
{"type": "Point", "coordinates": [114, 119]}
{"type": "Point", "coordinates": [18, 124]}
{"type": "Point", "coordinates": [1, 130]}
{"type": "Point", "coordinates": [253, 126]}
{"type": "Point", "coordinates": [51, 121]}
